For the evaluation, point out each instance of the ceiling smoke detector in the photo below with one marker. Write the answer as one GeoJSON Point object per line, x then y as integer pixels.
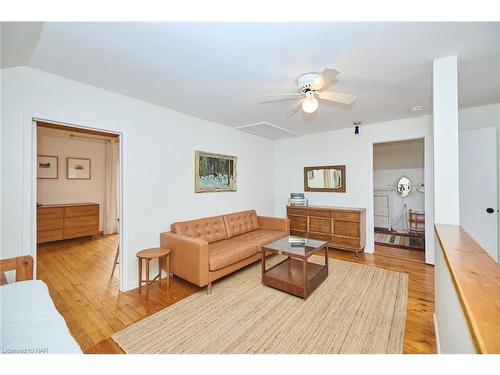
{"type": "Point", "coordinates": [415, 108]}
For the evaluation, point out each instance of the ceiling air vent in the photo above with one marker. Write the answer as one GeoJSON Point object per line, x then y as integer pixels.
{"type": "Point", "coordinates": [267, 130]}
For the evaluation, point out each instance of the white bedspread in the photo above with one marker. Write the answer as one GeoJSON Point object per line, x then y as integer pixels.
{"type": "Point", "coordinates": [30, 322]}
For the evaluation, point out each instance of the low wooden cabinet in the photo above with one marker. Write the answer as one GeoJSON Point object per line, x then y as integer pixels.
{"type": "Point", "coordinates": [63, 221]}
{"type": "Point", "coordinates": [343, 228]}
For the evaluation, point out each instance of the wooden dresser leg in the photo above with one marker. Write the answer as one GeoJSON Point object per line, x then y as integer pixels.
{"type": "Point", "coordinates": [209, 288]}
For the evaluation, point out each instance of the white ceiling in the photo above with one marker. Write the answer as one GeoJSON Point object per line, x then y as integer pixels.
{"type": "Point", "coordinates": [219, 71]}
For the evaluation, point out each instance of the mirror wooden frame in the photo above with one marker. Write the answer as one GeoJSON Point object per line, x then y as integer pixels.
{"type": "Point", "coordinates": [341, 189]}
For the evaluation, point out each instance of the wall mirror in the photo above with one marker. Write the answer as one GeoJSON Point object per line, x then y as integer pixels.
{"type": "Point", "coordinates": [403, 187]}
{"type": "Point", "coordinates": [329, 178]}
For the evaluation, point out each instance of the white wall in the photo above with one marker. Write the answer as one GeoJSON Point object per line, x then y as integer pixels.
{"type": "Point", "coordinates": [356, 152]}
{"type": "Point", "coordinates": [445, 136]}
{"type": "Point", "coordinates": [399, 155]}
{"type": "Point", "coordinates": [160, 145]}
{"type": "Point", "coordinates": [61, 190]}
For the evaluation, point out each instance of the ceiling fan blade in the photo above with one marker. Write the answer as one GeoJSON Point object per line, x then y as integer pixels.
{"type": "Point", "coordinates": [337, 97]}
{"type": "Point", "coordinates": [276, 100]}
{"type": "Point", "coordinates": [284, 94]}
{"type": "Point", "coordinates": [325, 79]}
{"type": "Point", "coordinates": [294, 109]}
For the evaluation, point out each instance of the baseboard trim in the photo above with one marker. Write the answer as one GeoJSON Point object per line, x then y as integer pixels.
{"type": "Point", "coordinates": [436, 334]}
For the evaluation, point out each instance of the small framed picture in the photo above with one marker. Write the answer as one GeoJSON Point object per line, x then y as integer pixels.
{"type": "Point", "coordinates": [78, 168]}
{"type": "Point", "coordinates": [47, 167]}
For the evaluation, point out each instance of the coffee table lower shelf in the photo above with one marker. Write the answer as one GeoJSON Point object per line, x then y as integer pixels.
{"type": "Point", "coordinates": [288, 276]}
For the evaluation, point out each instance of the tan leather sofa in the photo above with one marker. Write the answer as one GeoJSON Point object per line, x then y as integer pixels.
{"type": "Point", "coordinates": [204, 250]}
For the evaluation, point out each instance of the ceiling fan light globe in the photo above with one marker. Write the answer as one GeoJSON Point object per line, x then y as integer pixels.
{"type": "Point", "coordinates": [310, 104]}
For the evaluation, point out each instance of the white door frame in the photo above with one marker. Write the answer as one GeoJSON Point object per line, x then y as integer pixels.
{"type": "Point", "coordinates": [429, 189]}
{"type": "Point", "coordinates": [30, 187]}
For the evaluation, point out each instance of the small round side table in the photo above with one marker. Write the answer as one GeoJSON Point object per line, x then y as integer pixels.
{"type": "Point", "coordinates": [163, 256]}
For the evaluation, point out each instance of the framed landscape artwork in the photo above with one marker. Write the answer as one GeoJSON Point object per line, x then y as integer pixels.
{"type": "Point", "coordinates": [214, 172]}
{"type": "Point", "coordinates": [78, 169]}
{"type": "Point", "coordinates": [47, 167]}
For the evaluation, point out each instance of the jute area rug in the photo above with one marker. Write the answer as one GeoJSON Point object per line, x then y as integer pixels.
{"type": "Point", "coordinates": [357, 309]}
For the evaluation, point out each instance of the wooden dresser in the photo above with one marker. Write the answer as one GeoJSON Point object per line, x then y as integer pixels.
{"type": "Point", "coordinates": [343, 228]}
{"type": "Point", "coordinates": [62, 221]}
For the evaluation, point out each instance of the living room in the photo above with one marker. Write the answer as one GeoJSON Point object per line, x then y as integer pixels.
{"type": "Point", "coordinates": [209, 153]}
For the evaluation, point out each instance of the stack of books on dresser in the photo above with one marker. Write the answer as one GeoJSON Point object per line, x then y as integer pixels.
{"type": "Point", "coordinates": [297, 199]}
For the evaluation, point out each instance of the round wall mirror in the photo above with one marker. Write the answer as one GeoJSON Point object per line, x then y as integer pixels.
{"type": "Point", "coordinates": [403, 187]}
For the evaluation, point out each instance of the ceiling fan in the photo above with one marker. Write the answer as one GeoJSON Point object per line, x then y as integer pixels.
{"type": "Point", "coordinates": [311, 87]}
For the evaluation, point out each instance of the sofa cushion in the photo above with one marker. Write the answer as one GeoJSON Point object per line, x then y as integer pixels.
{"type": "Point", "coordinates": [262, 237]}
{"type": "Point", "coordinates": [210, 229]}
{"type": "Point", "coordinates": [241, 222]}
{"type": "Point", "coordinates": [227, 252]}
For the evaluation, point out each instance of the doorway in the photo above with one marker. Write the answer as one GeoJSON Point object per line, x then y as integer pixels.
{"type": "Point", "coordinates": [399, 199]}
{"type": "Point", "coordinates": [78, 203]}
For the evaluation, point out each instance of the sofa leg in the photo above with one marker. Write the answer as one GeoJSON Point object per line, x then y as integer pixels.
{"type": "Point", "coordinates": [209, 288]}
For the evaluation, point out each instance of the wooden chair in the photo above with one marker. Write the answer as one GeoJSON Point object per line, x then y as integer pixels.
{"type": "Point", "coordinates": [23, 266]}
{"type": "Point", "coordinates": [417, 222]}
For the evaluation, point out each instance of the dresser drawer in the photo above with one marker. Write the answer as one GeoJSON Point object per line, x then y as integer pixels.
{"type": "Point", "coordinates": [318, 213]}
{"type": "Point", "coordinates": [346, 228]}
{"type": "Point", "coordinates": [74, 211]}
{"type": "Point", "coordinates": [49, 213]}
{"type": "Point", "coordinates": [346, 242]}
{"type": "Point", "coordinates": [298, 233]}
{"type": "Point", "coordinates": [381, 211]}
{"type": "Point", "coordinates": [320, 236]}
{"type": "Point", "coordinates": [320, 225]}
{"type": "Point", "coordinates": [49, 235]}
{"type": "Point", "coordinates": [380, 201]}
{"type": "Point", "coordinates": [78, 221]}
{"type": "Point", "coordinates": [346, 216]}
{"type": "Point", "coordinates": [49, 224]}
{"type": "Point", "coordinates": [381, 221]}
{"type": "Point", "coordinates": [299, 211]}
{"type": "Point", "coordinates": [88, 230]}
{"type": "Point", "coordinates": [298, 222]}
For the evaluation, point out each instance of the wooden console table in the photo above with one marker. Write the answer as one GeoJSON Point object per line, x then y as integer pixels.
{"type": "Point", "coordinates": [63, 221]}
{"type": "Point", "coordinates": [343, 228]}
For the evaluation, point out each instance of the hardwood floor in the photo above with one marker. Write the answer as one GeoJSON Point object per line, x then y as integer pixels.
{"type": "Point", "coordinates": [419, 330]}
{"type": "Point", "coordinates": [78, 275]}
{"type": "Point", "coordinates": [396, 252]}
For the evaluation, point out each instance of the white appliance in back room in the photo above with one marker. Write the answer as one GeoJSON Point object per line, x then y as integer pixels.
{"type": "Point", "coordinates": [382, 208]}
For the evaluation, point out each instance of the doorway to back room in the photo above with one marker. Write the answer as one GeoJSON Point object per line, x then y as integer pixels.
{"type": "Point", "coordinates": [77, 211]}
{"type": "Point", "coordinates": [399, 199]}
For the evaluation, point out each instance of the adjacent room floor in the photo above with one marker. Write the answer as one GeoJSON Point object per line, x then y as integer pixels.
{"type": "Point", "coordinates": [78, 273]}
{"type": "Point", "coordinates": [411, 247]}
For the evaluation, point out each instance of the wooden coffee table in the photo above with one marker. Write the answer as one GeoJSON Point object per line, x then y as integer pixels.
{"type": "Point", "coordinates": [295, 275]}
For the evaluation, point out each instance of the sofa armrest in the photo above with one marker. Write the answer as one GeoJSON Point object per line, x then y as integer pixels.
{"type": "Point", "coordinates": [274, 223]}
{"type": "Point", "coordinates": [189, 257]}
